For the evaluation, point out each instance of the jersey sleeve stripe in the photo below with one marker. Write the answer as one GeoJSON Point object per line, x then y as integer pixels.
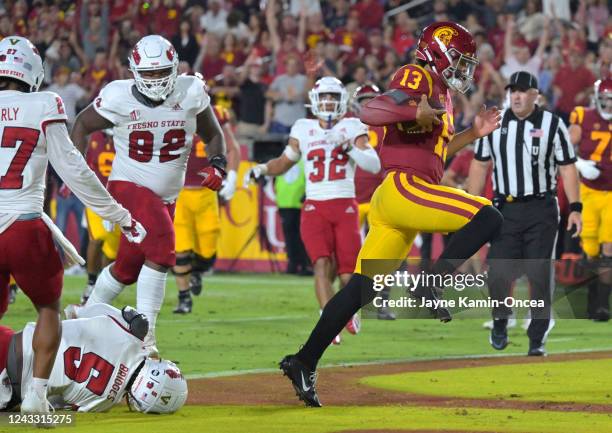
{"type": "Point", "coordinates": [428, 76]}
{"type": "Point", "coordinates": [44, 125]}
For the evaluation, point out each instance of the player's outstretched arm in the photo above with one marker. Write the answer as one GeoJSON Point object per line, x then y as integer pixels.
{"type": "Point", "coordinates": [276, 166]}
{"type": "Point", "coordinates": [364, 155]}
{"type": "Point", "coordinates": [86, 122]}
{"type": "Point", "coordinates": [233, 161]}
{"type": "Point", "coordinates": [73, 170]}
{"type": "Point", "coordinates": [486, 121]}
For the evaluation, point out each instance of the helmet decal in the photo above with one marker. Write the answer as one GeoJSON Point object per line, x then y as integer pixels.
{"type": "Point", "coordinates": [136, 55]}
{"type": "Point", "coordinates": [445, 34]}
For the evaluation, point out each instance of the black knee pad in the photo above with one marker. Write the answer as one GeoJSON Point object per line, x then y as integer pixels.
{"type": "Point", "coordinates": [490, 219]}
{"type": "Point", "coordinates": [183, 260]}
{"type": "Point", "coordinates": [203, 264]}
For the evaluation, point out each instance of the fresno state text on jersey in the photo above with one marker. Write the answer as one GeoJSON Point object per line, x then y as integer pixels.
{"type": "Point", "coordinates": [329, 170]}
{"type": "Point", "coordinates": [152, 143]}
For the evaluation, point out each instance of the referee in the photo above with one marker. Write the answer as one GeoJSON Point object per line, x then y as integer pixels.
{"type": "Point", "coordinates": [526, 151]}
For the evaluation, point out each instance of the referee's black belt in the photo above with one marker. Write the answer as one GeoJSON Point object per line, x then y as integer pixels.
{"type": "Point", "coordinates": [525, 198]}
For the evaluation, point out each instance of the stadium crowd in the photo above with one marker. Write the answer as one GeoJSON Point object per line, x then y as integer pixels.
{"type": "Point", "coordinates": [258, 58]}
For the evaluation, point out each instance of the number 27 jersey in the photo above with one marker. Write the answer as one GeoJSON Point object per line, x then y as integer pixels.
{"type": "Point", "coordinates": [152, 144]}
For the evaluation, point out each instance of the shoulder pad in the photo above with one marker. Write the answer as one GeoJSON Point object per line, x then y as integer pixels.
{"type": "Point", "coordinates": [413, 79]}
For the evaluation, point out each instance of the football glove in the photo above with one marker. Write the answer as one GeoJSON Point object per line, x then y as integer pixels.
{"type": "Point", "coordinates": [587, 169]}
{"type": "Point", "coordinates": [229, 186]}
{"type": "Point", "coordinates": [254, 173]}
{"type": "Point", "coordinates": [135, 232]}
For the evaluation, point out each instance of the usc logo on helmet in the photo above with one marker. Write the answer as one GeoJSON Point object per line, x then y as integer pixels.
{"type": "Point", "coordinates": [445, 34]}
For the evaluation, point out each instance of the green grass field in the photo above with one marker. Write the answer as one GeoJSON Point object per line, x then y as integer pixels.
{"type": "Point", "coordinates": [245, 324]}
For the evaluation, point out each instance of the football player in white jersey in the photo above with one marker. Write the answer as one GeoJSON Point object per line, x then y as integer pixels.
{"type": "Point", "coordinates": [154, 117]}
{"type": "Point", "coordinates": [33, 131]}
{"type": "Point", "coordinates": [95, 370]}
{"type": "Point", "coordinates": [332, 146]}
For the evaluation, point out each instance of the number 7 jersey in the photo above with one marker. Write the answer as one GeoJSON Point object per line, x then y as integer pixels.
{"type": "Point", "coordinates": [152, 144]}
{"type": "Point", "coordinates": [329, 171]}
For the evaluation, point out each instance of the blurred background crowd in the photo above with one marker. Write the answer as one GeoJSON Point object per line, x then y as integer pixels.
{"type": "Point", "coordinates": [258, 57]}
{"type": "Point", "coordinates": [255, 54]}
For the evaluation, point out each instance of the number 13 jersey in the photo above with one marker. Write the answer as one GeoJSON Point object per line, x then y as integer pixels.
{"type": "Point", "coordinates": [329, 171]}
{"type": "Point", "coordinates": [152, 144]}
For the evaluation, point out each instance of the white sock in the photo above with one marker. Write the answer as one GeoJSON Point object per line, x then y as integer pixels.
{"type": "Point", "coordinates": [150, 290]}
{"type": "Point", "coordinates": [40, 386]}
{"type": "Point", "coordinates": [107, 288]}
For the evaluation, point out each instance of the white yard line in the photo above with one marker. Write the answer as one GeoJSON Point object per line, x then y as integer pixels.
{"type": "Point", "coordinates": [389, 361]}
{"type": "Point", "coordinates": [237, 320]}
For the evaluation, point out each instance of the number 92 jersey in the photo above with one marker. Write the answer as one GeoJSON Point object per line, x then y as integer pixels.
{"type": "Point", "coordinates": [152, 143]}
{"type": "Point", "coordinates": [329, 170]}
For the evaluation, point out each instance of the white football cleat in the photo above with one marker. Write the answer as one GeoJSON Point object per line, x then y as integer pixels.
{"type": "Point", "coordinates": [37, 404]}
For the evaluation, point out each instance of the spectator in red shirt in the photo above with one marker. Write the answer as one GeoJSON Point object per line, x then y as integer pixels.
{"type": "Point", "coordinates": [572, 85]}
{"type": "Point", "coordinates": [376, 46]}
{"type": "Point", "coordinates": [350, 39]}
{"type": "Point", "coordinates": [166, 19]}
{"type": "Point", "coordinates": [371, 14]}
{"type": "Point", "coordinates": [212, 63]}
{"type": "Point", "coordinates": [316, 31]}
{"type": "Point", "coordinates": [232, 52]}
{"type": "Point", "coordinates": [403, 35]}
{"type": "Point", "coordinates": [99, 73]}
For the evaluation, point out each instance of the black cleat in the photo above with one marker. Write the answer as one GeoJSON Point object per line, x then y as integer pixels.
{"type": "Point", "coordinates": [431, 294]}
{"type": "Point", "coordinates": [184, 305]}
{"type": "Point", "coordinates": [12, 293]}
{"type": "Point", "coordinates": [499, 334]}
{"type": "Point", "coordinates": [602, 315]}
{"type": "Point", "coordinates": [195, 283]}
{"type": "Point", "coordinates": [302, 379]}
{"type": "Point", "coordinates": [536, 348]}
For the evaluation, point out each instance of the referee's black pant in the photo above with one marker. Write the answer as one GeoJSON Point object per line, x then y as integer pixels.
{"type": "Point", "coordinates": [525, 244]}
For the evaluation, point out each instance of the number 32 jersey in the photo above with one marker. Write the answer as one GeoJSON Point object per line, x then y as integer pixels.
{"type": "Point", "coordinates": [330, 172]}
{"type": "Point", "coordinates": [153, 143]}
{"type": "Point", "coordinates": [96, 359]}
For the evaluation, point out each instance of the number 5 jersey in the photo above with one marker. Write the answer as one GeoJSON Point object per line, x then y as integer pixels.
{"type": "Point", "coordinates": [96, 359]}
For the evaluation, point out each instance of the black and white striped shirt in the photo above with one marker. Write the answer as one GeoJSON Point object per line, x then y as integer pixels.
{"type": "Point", "coordinates": [526, 153]}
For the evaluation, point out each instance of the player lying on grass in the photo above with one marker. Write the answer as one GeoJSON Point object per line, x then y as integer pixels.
{"type": "Point", "coordinates": [100, 361]}
{"type": "Point", "coordinates": [410, 199]}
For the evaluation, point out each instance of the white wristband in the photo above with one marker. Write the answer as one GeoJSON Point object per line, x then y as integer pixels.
{"type": "Point", "coordinates": [291, 154]}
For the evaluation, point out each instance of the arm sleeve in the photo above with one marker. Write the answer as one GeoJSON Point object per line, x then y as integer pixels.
{"type": "Point", "coordinates": [564, 151]}
{"type": "Point", "coordinates": [72, 168]}
{"type": "Point", "coordinates": [366, 159]}
{"type": "Point", "coordinates": [482, 152]}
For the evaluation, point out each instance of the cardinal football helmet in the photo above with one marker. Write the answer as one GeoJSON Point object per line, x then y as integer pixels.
{"type": "Point", "coordinates": [154, 53]}
{"type": "Point", "coordinates": [367, 91]}
{"type": "Point", "coordinates": [450, 51]}
{"type": "Point", "coordinates": [159, 388]}
{"type": "Point", "coordinates": [603, 97]}
{"type": "Point", "coordinates": [19, 60]}
{"type": "Point", "coordinates": [328, 85]}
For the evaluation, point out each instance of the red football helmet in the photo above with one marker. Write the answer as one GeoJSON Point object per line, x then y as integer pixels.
{"type": "Point", "coordinates": [366, 91]}
{"type": "Point", "coordinates": [450, 51]}
{"type": "Point", "coordinates": [603, 97]}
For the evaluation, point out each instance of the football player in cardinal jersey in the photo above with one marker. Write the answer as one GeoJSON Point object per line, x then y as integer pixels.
{"type": "Point", "coordinates": [410, 198]}
{"type": "Point", "coordinates": [154, 117]}
{"type": "Point", "coordinates": [94, 370]}
{"type": "Point", "coordinates": [33, 131]}
{"type": "Point", "coordinates": [591, 130]}
{"type": "Point", "coordinates": [332, 146]}
{"type": "Point", "coordinates": [197, 221]}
